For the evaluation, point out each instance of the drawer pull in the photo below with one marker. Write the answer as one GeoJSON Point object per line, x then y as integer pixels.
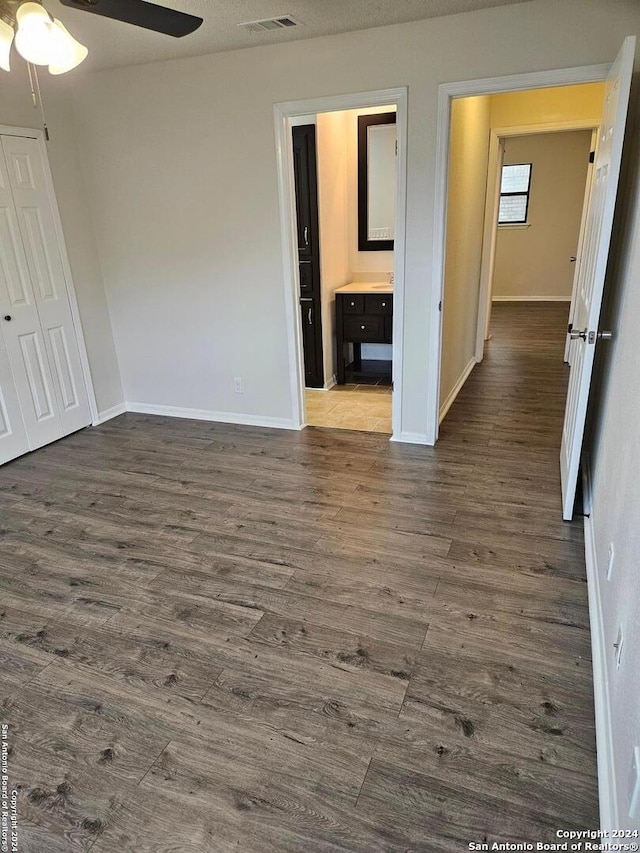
{"type": "Point", "coordinates": [362, 327]}
{"type": "Point", "coordinates": [384, 304]}
{"type": "Point", "coordinates": [352, 304]}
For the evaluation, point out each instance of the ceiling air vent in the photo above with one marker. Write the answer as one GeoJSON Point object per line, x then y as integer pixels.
{"type": "Point", "coordinates": [283, 22]}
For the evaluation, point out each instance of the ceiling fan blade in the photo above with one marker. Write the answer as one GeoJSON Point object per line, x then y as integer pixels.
{"type": "Point", "coordinates": [140, 14]}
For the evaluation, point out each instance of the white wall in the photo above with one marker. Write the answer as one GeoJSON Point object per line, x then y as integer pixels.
{"type": "Point", "coordinates": [180, 162]}
{"type": "Point", "coordinates": [16, 109]}
{"type": "Point", "coordinates": [532, 261]}
{"type": "Point", "coordinates": [468, 153]}
{"type": "Point", "coordinates": [335, 269]}
{"type": "Point", "coordinates": [615, 510]}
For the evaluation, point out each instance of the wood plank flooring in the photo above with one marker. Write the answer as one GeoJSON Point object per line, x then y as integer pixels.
{"type": "Point", "coordinates": [219, 638]}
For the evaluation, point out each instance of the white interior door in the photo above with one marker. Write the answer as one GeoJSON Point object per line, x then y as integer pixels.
{"type": "Point", "coordinates": [595, 253]}
{"type": "Point", "coordinates": [578, 257]}
{"type": "Point", "coordinates": [13, 435]}
{"type": "Point", "coordinates": [41, 350]}
{"type": "Point", "coordinates": [24, 343]}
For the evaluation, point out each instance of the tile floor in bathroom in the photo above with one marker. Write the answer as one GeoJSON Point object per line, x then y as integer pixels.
{"type": "Point", "coordinates": [360, 407]}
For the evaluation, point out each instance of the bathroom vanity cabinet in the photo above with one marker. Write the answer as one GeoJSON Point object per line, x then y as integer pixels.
{"type": "Point", "coordinates": [364, 315]}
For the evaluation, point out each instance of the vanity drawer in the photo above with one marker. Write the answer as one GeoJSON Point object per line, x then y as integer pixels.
{"type": "Point", "coordinates": [367, 328]}
{"type": "Point", "coordinates": [378, 303]}
{"type": "Point", "coordinates": [353, 303]}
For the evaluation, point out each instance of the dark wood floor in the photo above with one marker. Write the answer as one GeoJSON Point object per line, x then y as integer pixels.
{"type": "Point", "coordinates": [221, 638]}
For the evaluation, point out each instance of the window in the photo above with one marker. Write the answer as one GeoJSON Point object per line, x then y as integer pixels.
{"type": "Point", "coordinates": [514, 194]}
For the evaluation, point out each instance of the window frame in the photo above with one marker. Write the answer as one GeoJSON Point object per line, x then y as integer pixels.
{"type": "Point", "coordinates": [515, 222]}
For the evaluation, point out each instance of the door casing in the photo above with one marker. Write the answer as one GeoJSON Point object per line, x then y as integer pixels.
{"type": "Point", "coordinates": [446, 94]}
{"type": "Point", "coordinates": [283, 113]}
{"type": "Point", "coordinates": [491, 210]}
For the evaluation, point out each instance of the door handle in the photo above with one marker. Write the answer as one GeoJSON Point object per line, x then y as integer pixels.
{"type": "Point", "coordinates": [306, 235]}
{"type": "Point", "coordinates": [574, 334]}
{"type": "Point", "coordinates": [309, 320]}
{"type": "Point", "coordinates": [8, 317]}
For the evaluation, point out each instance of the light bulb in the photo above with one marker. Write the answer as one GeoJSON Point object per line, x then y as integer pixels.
{"type": "Point", "coordinates": [6, 40]}
{"type": "Point", "coordinates": [66, 52]}
{"type": "Point", "coordinates": [33, 38]}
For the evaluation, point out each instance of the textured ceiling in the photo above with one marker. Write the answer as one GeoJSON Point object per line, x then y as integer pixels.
{"type": "Point", "coordinates": [113, 44]}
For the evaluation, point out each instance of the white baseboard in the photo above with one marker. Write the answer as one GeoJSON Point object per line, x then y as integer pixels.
{"type": "Point", "coordinates": [531, 299]}
{"type": "Point", "coordinates": [604, 733]}
{"type": "Point", "coordinates": [108, 414]}
{"type": "Point", "coordinates": [444, 408]}
{"type": "Point", "coordinates": [409, 438]}
{"type": "Point", "coordinates": [208, 415]}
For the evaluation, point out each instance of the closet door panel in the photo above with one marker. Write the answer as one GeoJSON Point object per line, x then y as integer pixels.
{"type": "Point", "coordinates": [25, 348]}
{"type": "Point", "coordinates": [13, 436]}
{"type": "Point", "coordinates": [28, 185]}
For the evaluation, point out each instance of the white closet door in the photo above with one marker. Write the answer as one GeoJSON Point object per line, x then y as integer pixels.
{"type": "Point", "coordinates": [13, 435]}
{"type": "Point", "coordinates": [23, 338]}
{"type": "Point", "coordinates": [58, 392]}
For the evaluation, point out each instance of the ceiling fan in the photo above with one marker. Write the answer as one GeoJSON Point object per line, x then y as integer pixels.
{"type": "Point", "coordinates": [43, 40]}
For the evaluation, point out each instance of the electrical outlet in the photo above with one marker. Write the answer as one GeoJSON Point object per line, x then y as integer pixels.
{"type": "Point", "coordinates": [610, 562]}
{"type": "Point", "coordinates": [634, 785]}
{"type": "Point", "coordinates": [237, 385]}
{"type": "Point", "coordinates": [618, 647]}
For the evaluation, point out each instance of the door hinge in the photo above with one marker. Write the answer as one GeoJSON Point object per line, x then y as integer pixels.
{"type": "Point", "coordinates": [592, 156]}
{"type": "Point", "coordinates": [569, 327]}
{"type": "Point", "coordinates": [440, 305]}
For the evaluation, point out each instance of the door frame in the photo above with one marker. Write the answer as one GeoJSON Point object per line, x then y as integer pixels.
{"type": "Point", "coordinates": [447, 92]}
{"type": "Point", "coordinates": [283, 113]}
{"type": "Point", "coordinates": [39, 136]}
{"type": "Point", "coordinates": [489, 243]}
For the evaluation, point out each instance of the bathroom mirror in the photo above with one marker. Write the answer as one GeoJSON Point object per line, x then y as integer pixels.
{"type": "Point", "coordinates": [376, 182]}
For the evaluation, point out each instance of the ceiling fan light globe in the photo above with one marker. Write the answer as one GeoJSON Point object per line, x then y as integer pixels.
{"type": "Point", "coordinates": [34, 43]}
{"type": "Point", "coordinates": [66, 52]}
{"type": "Point", "coordinates": [6, 40]}
{"type": "Point", "coordinates": [32, 15]}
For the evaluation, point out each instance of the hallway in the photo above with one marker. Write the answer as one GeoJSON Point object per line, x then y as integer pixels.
{"type": "Point", "coordinates": [314, 641]}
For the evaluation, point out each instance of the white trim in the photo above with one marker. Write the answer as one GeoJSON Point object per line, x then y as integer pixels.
{"type": "Point", "coordinates": [38, 135]}
{"type": "Point", "coordinates": [209, 415]}
{"type": "Point", "coordinates": [489, 241]}
{"type": "Point", "coordinates": [457, 388]}
{"type": "Point", "coordinates": [410, 438]}
{"type": "Point", "coordinates": [108, 414]}
{"type": "Point", "coordinates": [609, 818]}
{"type": "Point", "coordinates": [328, 385]}
{"type": "Point", "coordinates": [556, 298]}
{"type": "Point", "coordinates": [564, 126]}
{"type": "Point", "coordinates": [446, 93]}
{"type": "Point", "coordinates": [283, 113]}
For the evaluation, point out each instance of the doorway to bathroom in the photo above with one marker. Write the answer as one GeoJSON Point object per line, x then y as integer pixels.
{"type": "Point", "coordinates": [342, 205]}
